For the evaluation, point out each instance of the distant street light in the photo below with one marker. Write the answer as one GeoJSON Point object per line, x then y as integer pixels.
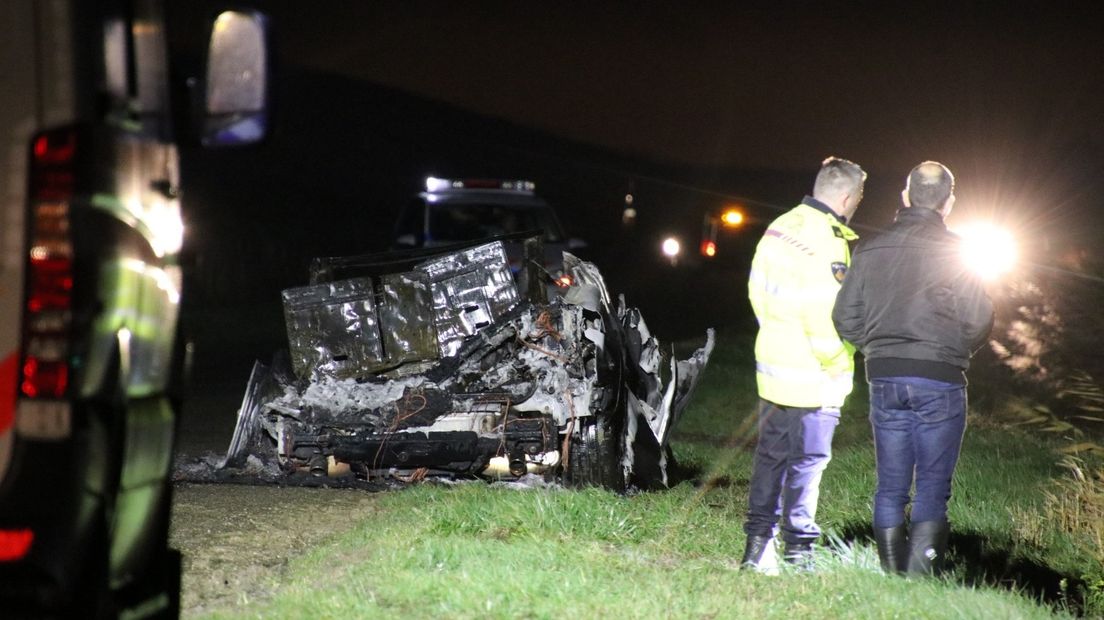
{"type": "Point", "coordinates": [628, 215]}
{"type": "Point", "coordinates": [732, 218]}
{"type": "Point", "coordinates": [671, 249]}
{"type": "Point", "coordinates": [715, 221]}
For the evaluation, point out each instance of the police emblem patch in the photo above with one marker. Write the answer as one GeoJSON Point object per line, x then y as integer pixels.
{"type": "Point", "coordinates": [839, 270]}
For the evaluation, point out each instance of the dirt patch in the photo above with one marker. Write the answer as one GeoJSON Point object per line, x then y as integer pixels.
{"type": "Point", "coordinates": [238, 541]}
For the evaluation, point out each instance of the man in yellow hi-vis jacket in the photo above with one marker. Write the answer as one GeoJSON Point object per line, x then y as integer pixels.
{"type": "Point", "coordinates": [802, 368]}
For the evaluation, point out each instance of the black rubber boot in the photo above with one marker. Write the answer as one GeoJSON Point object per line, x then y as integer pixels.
{"type": "Point", "coordinates": [893, 548]}
{"type": "Point", "coordinates": [927, 547]}
{"type": "Point", "coordinates": [759, 554]}
{"type": "Point", "coordinates": [800, 555]}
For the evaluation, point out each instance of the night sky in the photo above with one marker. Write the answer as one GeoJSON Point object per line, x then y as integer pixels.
{"type": "Point", "coordinates": [1007, 96]}
{"type": "Point", "coordinates": [736, 85]}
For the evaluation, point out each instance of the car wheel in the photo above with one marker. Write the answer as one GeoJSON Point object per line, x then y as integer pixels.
{"type": "Point", "coordinates": [595, 456]}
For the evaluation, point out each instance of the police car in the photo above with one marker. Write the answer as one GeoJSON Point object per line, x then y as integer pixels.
{"type": "Point", "coordinates": [452, 211]}
{"type": "Point", "coordinates": [457, 210]}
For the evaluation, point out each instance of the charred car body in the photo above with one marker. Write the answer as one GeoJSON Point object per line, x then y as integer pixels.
{"type": "Point", "coordinates": [433, 363]}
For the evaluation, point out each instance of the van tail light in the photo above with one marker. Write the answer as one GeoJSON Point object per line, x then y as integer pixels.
{"type": "Point", "coordinates": [14, 544]}
{"type": "Point", "coordinates": [48, 308]}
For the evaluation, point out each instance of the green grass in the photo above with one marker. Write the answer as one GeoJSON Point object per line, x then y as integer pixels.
{"type": "Point", "coordinates": [473, 552]}
{"type": "Point", "coordinates": [479, 551]}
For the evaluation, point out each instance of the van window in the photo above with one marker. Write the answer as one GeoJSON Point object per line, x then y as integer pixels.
{"type": "Point", "coordinates": [134, 73]}
{"type": "Point", "coordinates": [150, 60]}
{"type": "Point", "coordinates": [115, 59]}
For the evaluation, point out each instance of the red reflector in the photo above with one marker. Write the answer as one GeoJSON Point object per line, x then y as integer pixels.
{"type": "Point", "coordinates": [14, 544]}
{"type": "Point", "coordinates": [45, 379]}
{"type": "Point", "coordinates": [53, 185]}
{"type": "Point", "coordinates": [51, 284]}
{"type": "Point", "coordinates": [53, 155]}
{"type": "Point", "coordinates": [9, 371]}
{"type": "Point", "coordinates": [55, 147]}
{"type": "Point", "coordinates": [49, 297]}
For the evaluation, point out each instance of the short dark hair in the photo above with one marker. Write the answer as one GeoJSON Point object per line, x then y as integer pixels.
{"type": "Point", "coordinates": [930, 184]}
{"type": "Point", "coordinates": [838, 175]}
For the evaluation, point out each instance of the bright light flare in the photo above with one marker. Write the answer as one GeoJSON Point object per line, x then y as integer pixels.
{"type": "Point", "coordinates": [671, 247]}
{"type": "Point", "coordinates": [988, 250]}
{"type": "Point", "coordinates": [732, 218]}
{"type": "Point", "coordinates": [433, 184]}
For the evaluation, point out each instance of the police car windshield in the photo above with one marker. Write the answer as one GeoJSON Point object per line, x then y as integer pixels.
{"type": "Point", "coordinates": [468, 221]}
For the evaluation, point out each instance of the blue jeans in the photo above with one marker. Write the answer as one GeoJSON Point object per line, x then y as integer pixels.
{"type": "Point", "coordinates": [795, 445]}
{"type": "Point", "coordinates": [918, 427]}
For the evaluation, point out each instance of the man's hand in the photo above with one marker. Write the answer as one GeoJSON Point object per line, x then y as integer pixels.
{"type": "Point", "coordinates": [834, 390]}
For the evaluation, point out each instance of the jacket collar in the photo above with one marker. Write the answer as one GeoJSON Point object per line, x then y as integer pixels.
{"type": "Point", "coordinates": [839, 224]}
{"type": "Point", "coordinates": [920, 215]}
{"type": "Point", "coordinates": [820, 206]}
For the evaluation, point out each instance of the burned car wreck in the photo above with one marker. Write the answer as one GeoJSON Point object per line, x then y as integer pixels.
{"type": "Point", "coordinates": [446, 363]}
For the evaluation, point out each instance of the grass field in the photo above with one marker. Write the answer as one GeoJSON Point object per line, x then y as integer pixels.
{"type": "Point", "coordinates": [489, 551]}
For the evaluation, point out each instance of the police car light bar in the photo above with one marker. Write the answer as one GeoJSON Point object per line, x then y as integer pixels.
{"type": "Point", "coordinates": [434, 184]}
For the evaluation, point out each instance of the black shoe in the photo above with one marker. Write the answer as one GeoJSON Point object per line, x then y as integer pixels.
{"type": "Point", "coordinates": [799, 555]}
{"type": "Point", "coordinates": [893, 548]}
{"type": "Point", "coordinates": [759, 554]}
{"type": "Point", "coordinates": [927, 547]}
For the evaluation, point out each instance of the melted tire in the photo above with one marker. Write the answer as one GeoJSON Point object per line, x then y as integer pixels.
{"type": "Point", "coordinates": [595, 456]}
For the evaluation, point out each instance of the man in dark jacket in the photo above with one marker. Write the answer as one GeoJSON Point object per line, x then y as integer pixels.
{"type": "Point", "coordinates": [917, 314]}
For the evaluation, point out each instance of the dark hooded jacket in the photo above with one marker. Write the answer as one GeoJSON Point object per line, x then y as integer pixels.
{"type": "Point", "coordinates": [909, 303]}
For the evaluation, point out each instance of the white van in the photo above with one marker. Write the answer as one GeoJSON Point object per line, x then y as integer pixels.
{"type": "Point", "coordinates": [90, 230]}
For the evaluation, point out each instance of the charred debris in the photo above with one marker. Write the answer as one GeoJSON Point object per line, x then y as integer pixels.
{"type": "Point", "coordinates": [456, 363]}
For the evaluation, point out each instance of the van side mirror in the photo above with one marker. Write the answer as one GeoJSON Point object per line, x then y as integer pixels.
{"type": "Point", "coordinates": [234, 109]}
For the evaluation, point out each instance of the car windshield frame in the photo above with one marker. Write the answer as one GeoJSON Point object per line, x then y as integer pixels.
{"type": "Point", "coordinates": [467, 220]}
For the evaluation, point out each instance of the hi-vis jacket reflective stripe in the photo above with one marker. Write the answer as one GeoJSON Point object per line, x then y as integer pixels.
{"type": "Point", "coordinates": [800, 360]}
